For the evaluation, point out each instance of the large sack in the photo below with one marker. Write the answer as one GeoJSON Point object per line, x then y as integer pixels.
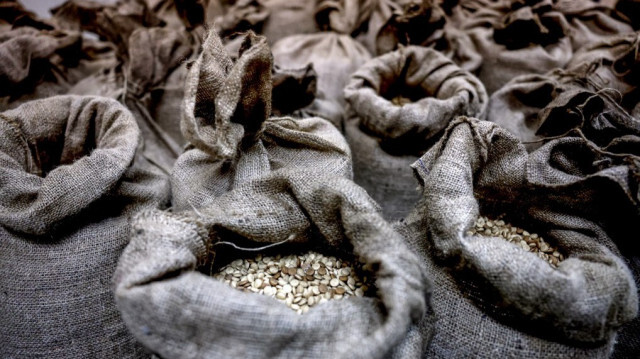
{"type": "Point", "coordinates": [490, 296]}
{"type": "Point", "coordinates": [254, 180]}
{"type": "Point", "coordinates": [71, 173]}
{"type": "Point", "coordinates": [400, 102]}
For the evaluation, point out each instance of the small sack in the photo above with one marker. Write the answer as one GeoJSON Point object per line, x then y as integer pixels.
{"type": "Point", "coordinates": [252, 180]}
{"type": "Point", "coordinates": [525, 307]}
{"type": "Point", "coordinates": [232, 138]}
{"type": "Point", "coordinates": [400, 102]}
{"type": "Point", "coordinates": [71, 173]}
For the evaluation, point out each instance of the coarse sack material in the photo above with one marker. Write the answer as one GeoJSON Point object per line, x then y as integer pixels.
{"type": "Point", "coordinates": [334, 54]}
{"type": "Point", "coordinates": [252, 180]}
{"type": "Point", "coordinates": [232, 138]}
{"type": "Point", "coordinates": [71, 174]}
{"type": "Point", "coordinates": [491, 297]}
{"type": "Point", "coordinates": [386, 137]}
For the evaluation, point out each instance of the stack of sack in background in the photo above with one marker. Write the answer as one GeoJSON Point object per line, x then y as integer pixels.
{"type": "Point", "coordinates": [451, 178]}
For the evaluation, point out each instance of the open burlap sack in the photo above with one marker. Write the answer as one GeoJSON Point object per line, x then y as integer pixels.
{"type": "Point", "coordinates": [232, 138]}
{"type": "Point", "coordinates": [71, 174]}
{"type": "Point", "coordinates": [490, 296]}
{"type": "Point", "coordinates": [334, 54]}
{"type": "Point", "coordinates": [252, 179]}
{"type": "Point", "coordinates": [178, 312]}
{"type": "Point", "coordinates": [399, 103]}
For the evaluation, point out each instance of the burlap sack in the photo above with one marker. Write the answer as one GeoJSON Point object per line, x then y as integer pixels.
{"type": "Point", "coordinates": [226, 120]}
{"type": "Point", "coordinates": [493, 298]}
{"type": "Point", "coordinates": [380, 14]}
{"type": "Point", "coordinates": [182, 13]}
{"type": "Point", "coordinates": [178, 312]}
{"type": "Point", "coordinates": [590, 21]}
{"type": "Point", "coordinates": [515, 39]}
{"type": "Point", "coordinates": [386, 134]}
{"type": "Point", "coordinates": [70, 175]}
{"type": "Point", "coordinates": [251, 180]}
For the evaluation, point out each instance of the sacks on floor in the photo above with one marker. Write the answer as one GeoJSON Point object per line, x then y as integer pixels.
{"type": "Point", "coordinates": [334, 54]}
{"type": "Point", "coordinates": [71, 175]}
{"type": "Point", "coordinates": [232, 138]}
{"type": "Point", "coordinates": [399, 103]}
{"type": "Point", "coordinates": [491, 296]}
{"type": "Point", "coordinates": [249, 179]}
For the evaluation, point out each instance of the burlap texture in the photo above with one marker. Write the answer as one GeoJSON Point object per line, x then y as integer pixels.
{"type": "Point", "coordinates": [233, 139]}
{"type": "Point", "coordinates": [386, 138]}
{"type": "Point", "coordinates": [479, 168]}
{"type": "Point", "coordinates": [179, 312]}
{"type": "Point", "coordinates": [70, 175]}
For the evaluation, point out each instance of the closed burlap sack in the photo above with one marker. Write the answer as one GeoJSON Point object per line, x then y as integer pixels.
{"type": "Point", "coordinates": [590, 21]}
{"type": "Point", "coordinates": [70, 175]}
{"type": "Point", "coordinates": [515, 39]}
{"type": "Point", "coordinates": [400, 102]}
{"type": "Point", "coordinates": [490, 296]}
{"type": "Point", "coordinates": [232, 138]}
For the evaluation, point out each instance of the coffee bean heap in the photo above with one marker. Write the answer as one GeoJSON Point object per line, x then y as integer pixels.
{"type": "Point", "coordinates": [529, 242]}
{"type": "Point", "coordinates": [300, 281]}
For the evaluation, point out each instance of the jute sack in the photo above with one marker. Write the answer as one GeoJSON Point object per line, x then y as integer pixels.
{"type": "Point", "coordinates": [253, 180]}
{"type": "Point", "coordinates": [71, 174]}
{"type": "Point", "coordinates": [400, 102]}
{"type": "Point", "coordinates": [334, 54]}
{"type": "Point", "coordinates": [177, 311]}
{"type": "Point", "coordinates": [491, 296]}
{"type": "Point", "coordinates": [232, 137]}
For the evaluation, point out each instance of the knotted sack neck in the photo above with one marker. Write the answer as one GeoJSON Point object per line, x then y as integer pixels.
{"type": "Point", "coordinates": [58, 156]}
